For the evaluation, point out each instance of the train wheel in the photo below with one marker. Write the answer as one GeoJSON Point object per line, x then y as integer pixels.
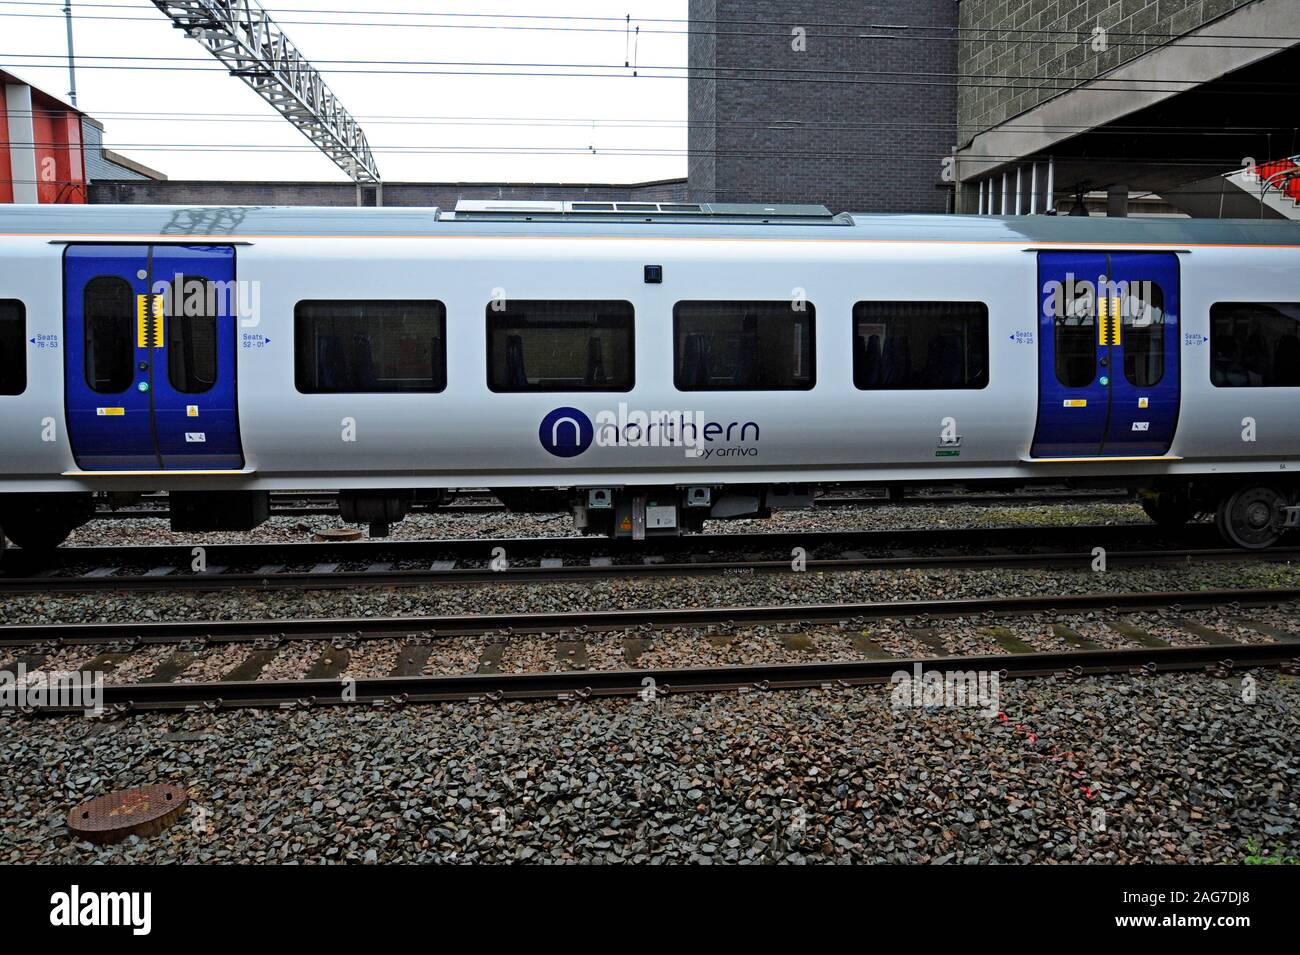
{"type": "Point", "coordinates": [1168, 509]}
{"type": "Point", "coordinates": [1251, 517]}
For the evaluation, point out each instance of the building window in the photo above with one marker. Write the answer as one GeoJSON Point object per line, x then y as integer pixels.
{"type": "Point", "coordinates": [13, 347]}
{"type": "Point", "coordinates": [1142, 318]}
{"type": "Point", "coordinates": [920, 345]}
{"type": "Point", "coordinates": [536, 345]}
{"type": "Point", "coordinates": [370, 346]}
{"type": "Point", "coordinates": [109, 318]}
{"type": "Point", "coordinates": [191, 314]}
{"type": "Point", "coordinates": [743, 346]}
{"type": "Point", "coordinates": [1255, 344]}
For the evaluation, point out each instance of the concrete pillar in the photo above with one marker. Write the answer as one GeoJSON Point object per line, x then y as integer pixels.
{"type": "Point", "coordinates": [1117, 201]}
{"type": "Point", "coordinates": [22, 141]}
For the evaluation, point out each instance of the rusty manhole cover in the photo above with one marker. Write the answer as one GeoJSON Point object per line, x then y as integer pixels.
{"type": "Point", "coordinates": [339, 534]}
{"type": "Point", "coordinates": [140, 811]}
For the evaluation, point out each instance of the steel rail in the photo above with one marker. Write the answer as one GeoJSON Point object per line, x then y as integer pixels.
{"type": "Point", "coordinates": [341, 579]}
{"type": "Point", "coordinates": [651, 684]}
{"type": "Point", "coordinates": [244, 631]}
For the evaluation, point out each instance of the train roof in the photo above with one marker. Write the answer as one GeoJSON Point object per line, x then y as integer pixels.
{"type": "Point", "coordinates": [785, 222]}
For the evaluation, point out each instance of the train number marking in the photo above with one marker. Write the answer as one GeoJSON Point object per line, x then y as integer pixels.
{"type": "Point", "coordinates": [1141, 425]}
{"type": "Point", "coordinates": [195, 437]}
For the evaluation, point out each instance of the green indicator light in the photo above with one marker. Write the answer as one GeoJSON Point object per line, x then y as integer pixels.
{"type": "Point", "coordinates": [1105, 380]}
{"type": "Point", "coordinates": [143, 386]}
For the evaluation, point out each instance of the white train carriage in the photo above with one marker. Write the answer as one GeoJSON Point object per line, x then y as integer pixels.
{"type": "Point", "coordinates": [646, 366]}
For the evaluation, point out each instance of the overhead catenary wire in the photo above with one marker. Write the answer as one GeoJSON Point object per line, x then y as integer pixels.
{"type": "Point", "coordinates": [788, 74]}
{"type": "Point", "coordinates": [613, 151]}
{"type": "Point", "coordinates": [775, 125]}
{"type": "Point", "coordinates": [1066, 84]}
{"type": "Point", "coordinates": [549, 21]}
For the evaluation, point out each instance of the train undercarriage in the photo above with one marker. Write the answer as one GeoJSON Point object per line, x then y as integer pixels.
{"type": "Point", "coordinates": [1248, 513]}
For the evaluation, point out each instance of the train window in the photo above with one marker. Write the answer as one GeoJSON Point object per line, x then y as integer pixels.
{"type": "Point", "coordinates": [743, 346]}
{"type": "Point", "coordinates": [191, 308]}
{"type": "Point", "coordinates": [109, 318]}
{"type": "Point", "coordinates": [1076, 340]}
{"type": "Point", "coordinates": [13, 347]}
{"type": "Point", "coordinates": [370, 346]}
{"type": "Point", "coordinates": [1255, 344]}
{"type": "Point", "coordinates": [1142, 317]}
{"type": "Point", "coordinates": [536, 345]}
{"type": "Point", "coordinates": [920, 345]}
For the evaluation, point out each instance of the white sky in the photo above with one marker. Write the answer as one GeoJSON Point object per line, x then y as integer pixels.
{"type": "Point", "coordinates": [650, 113]}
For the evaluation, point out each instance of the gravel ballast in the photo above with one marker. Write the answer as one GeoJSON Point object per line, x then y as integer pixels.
{"type": "Point", "coordinates": [1175, 768]}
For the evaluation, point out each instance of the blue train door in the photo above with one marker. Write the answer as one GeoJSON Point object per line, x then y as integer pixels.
{"type": "Point", "coordinates": [150, 357]}
{"type": "Point", "coordinates": [1108, 369]}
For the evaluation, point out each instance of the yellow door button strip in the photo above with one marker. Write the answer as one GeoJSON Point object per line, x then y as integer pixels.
{"type": "Point", "coordinates": [1108, 320]}
{"type": "Point", "coordinates": [149, 334]}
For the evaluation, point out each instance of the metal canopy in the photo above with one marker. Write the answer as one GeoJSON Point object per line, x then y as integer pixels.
{"type": "Point", "coordinates": [243, 36]}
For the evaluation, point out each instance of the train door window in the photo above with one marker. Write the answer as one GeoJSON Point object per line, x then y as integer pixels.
{"type": "Point", "coordinates": [1076, 339]}
{"type": "Point", "coordinates": [920, 345]}
{"type": "Point", "coordinates": [744, 346]}
{"type": "Point", "coordinates": [109, 316]}
{"type": "Point", "coordinates": [1142, 319]}
{"type": "Point", "coordinates": [539, 345]}
{"type": "Point", "coordinates": [1255, 344]}
{"type": "Point", "coordinates": [13, 347]}
{"type": "Point", "coordinates": [191, 308]}
{"type": "Point", "coordinates": [370, 346]}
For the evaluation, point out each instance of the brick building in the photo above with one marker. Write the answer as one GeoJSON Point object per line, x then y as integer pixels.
{"type": "Point", "coordinates": [1017, 94]}
{"type": "Point", "coordinates": [812, 101]}
{"type": "Point", "coordinates": [52, 152]}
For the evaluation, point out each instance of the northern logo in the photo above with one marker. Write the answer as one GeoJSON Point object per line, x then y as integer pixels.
{"type": "Point", "coordinates": [566, 432]}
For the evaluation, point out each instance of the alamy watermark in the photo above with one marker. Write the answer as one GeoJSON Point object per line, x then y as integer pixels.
{"type": "Point", "coordinates": [195, 298]}
{"type": "Point", "coordinates": [1079, 297]}
{"type": "Point", "coordinates": [950, 688]}
{"type": "Point", "coordinates": [64, 689]}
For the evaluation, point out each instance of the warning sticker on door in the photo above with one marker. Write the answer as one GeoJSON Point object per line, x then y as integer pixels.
{"type": "Point", "coordinates": [195, 437]}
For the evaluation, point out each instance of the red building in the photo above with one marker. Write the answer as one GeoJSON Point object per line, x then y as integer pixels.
{"type": "Point", "coordinates": [42, 156]}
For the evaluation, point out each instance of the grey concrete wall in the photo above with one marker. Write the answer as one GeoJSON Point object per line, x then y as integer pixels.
{"type": "Point", "coordinates": [441, 194]}
{"type": "Point", "coordinates": [872, 139]}
{"type": "Point", "coordinates": [1053, 40]}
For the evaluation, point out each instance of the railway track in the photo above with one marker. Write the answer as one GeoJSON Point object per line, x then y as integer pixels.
{"type": "Point", "coordinates": [409, 563]}
{"type": "Point", "coordinates": [327, 681]}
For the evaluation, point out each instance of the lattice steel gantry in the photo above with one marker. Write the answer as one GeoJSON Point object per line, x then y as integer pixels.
{"type": "Point", "coordinates": [243, 36]}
